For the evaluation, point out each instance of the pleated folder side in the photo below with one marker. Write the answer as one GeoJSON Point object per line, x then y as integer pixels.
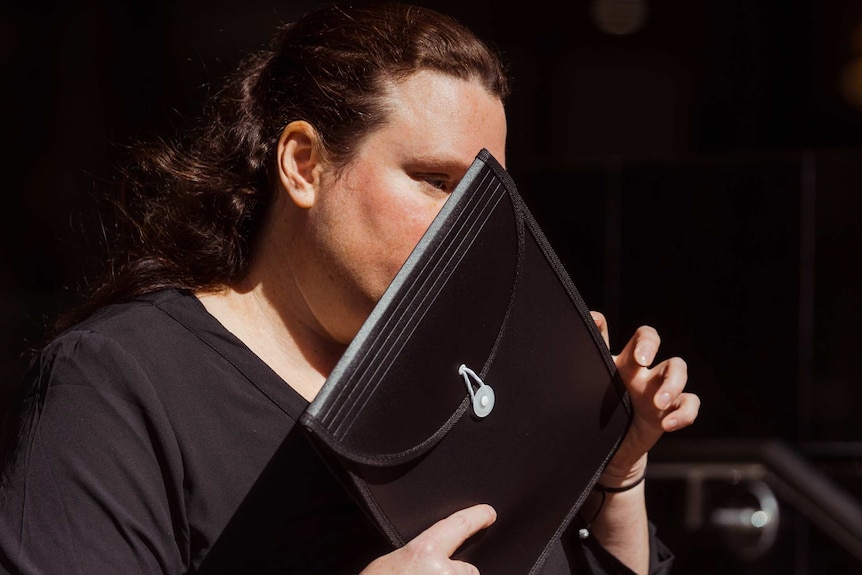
{"type": "Point", "coordinates": [479, 377]}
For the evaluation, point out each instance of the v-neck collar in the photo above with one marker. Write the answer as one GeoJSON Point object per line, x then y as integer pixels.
{"type": "Point", "coordinates": [188, 310]}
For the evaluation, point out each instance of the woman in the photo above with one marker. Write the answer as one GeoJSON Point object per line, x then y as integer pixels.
{"type": "Point", "coordinates": [157, 433]}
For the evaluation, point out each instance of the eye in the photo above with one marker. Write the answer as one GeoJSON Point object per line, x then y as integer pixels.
{"type": "Point", "coordinates": [440, 182]}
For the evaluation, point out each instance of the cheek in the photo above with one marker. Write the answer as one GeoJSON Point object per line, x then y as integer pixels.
{"type": "Point", "coordinates": [412, 223]}
{"type": "Point", "coordinates": [417, 222]}
{"type": "Point", "coordinates": [398, 226]}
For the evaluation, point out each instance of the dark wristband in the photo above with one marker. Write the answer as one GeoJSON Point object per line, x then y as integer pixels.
{"type": "Point", "coordinates": [603, 489]}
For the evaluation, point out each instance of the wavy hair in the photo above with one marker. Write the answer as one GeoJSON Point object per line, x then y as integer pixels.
{"type": "Point", "coordinates": [189, 209]}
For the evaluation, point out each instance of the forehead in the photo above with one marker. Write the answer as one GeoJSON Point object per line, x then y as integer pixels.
{"type": "Point", "coordinates": [435, 115]}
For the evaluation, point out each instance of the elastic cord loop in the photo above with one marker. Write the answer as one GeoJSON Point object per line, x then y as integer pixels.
{"type": "Point", "coordinates": [602, 489]}
{"type": "Point", "coordinates": [584, 531]}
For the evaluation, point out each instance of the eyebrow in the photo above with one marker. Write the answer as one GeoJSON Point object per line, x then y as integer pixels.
{"type": "Point", "coordinates": [438, 163]}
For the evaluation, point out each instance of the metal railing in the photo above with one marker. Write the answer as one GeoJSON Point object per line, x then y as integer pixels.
{"type": "Point", "coordinates": [757, 475]}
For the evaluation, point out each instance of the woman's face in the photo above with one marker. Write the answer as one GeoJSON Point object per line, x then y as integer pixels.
{"type": "Point", "coordinates": [365, 222]}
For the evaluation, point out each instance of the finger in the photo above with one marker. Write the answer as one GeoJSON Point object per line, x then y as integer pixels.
{"type": "Point", "coordinates": [602, 324]}
{"type": "Point", "coordinates": [687, 408]}
{"type": "Point", "coordinates": [639, 352]}
{"type": "Point", "coordinates": [462, 568]}
{"type": "Point", "coordinates": [449, 533]}
{"type": "Point", "coordinates": [673, 377]}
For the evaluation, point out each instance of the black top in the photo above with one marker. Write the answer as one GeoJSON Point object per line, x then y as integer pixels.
{"type": "Point", "coordinates": [149, 439]}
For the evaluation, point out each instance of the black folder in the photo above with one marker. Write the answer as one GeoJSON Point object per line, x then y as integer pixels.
{"type": "Point", "coordinates": [479, 377]}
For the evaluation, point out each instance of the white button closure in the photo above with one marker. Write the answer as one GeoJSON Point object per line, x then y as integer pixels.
{"type": "Point", "coordinates": [483, 398]}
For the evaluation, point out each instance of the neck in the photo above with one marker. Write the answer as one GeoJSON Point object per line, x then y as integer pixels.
{"type": "Point", "coordinates": [281, 335]}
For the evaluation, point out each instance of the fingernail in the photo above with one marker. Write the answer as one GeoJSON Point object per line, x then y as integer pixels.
{"type": "Point", "coordinates": [642, 355]}
{"type": "Point", "coordinates": [663, 400]}
{"type": "Point", "coordinates": [670, 424]}
{"type": "Point", "coordinates": [493, 513]}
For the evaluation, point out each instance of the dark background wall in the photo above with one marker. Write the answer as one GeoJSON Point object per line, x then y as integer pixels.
{"type": "Point", "coordinates": [697, 164]}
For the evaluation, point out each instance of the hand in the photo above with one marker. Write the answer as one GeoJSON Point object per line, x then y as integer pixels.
{"type": "Point", "coordinates": [658, 400]}
{"type": "Point", "coordinates": [429, 552]}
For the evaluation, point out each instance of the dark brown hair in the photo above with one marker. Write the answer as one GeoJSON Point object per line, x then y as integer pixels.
{"type": "Point", "coordinates": [189, 209]}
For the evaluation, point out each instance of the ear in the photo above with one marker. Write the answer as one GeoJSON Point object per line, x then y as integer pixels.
{"type": "Point", "coordinates": [299, 162]}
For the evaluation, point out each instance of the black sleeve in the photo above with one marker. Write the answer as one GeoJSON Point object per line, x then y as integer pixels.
{"type": "Point", "coordinates": [575, 556]}
{"type": "Point", "coordinates": [84, 486]}
{"type": "Point", "coordinates": [599, 560]}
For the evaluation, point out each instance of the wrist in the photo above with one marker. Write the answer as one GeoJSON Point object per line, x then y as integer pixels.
{"type": "Point", "coordinates": [619, 489]}
{"type": "Point", "coordinates": [617, 478]}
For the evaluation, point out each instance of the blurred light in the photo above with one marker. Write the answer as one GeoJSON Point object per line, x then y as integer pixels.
{"type": "Point", "coordinates": [851, 82]}
{"type": "Point", "coordinates": [619, 17]}
{"type": "Point", "coordinates": [851, 76]}
{"type": "Point", "coordinates": [759, 519]}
